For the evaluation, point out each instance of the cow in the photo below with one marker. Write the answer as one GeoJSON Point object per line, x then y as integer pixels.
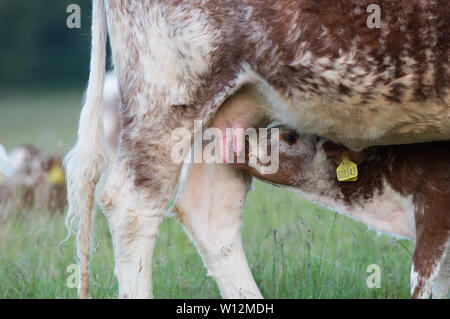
{"type": "Point", "coordinates": [32, 180]}
{"type": "Point", "coordinates": [403, 190]}
{"type": "Point", "coordinates": [315, 65]}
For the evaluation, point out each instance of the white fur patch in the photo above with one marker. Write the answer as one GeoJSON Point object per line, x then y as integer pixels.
{"type": "Point", "coordinates": [387, 212]}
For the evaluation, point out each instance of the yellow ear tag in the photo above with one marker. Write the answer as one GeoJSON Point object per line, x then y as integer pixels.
{"type": "Point", "coordinates": [56, 175]}
{"type": "Point", "coordinates": [347, 171]}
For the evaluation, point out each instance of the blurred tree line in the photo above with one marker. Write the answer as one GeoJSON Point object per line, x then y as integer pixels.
{"type": "Point", "coordinates": [37, 49]}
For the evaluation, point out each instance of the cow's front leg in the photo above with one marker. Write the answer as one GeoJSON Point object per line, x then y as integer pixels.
{"type": "Point", "coordinates": [210, 205]}
{"type": "Point", "coordinates": [441, 286]}
{"type": "Point", "coordinates": [429, 271]}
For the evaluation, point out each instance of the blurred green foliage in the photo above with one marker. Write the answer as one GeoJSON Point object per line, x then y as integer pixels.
{"type": "Point", "coordinates": [38, 50]}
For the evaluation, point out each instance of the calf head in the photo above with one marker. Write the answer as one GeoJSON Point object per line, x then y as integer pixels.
{"type": "Point", "coordinates": [304, 159]}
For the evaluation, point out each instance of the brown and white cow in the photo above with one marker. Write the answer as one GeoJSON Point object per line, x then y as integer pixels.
{"type": "Point", "coordinates": [316, 65]}
{"type": "Point", "coordinates": [32, 180]}
{"type": "Point", "coordinates": [402, 190]}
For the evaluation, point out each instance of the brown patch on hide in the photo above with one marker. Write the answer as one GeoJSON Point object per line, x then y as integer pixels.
{"type": "Point", "coordinates": [181, 216]}
{"type": "Point", "coordinates": [421, 170]}
{"type": "Point", "coordinates": [336, 151]}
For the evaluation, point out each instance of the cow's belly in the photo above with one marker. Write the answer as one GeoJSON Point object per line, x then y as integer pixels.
{"type": "Point", "coordinates": [359, 125]}
{"type": "Point", "coordinates": [377, 123]}
{"type": "Point", "coordinates": [387, 212]}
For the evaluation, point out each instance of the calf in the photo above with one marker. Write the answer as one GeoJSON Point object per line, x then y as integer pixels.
{"type": "Point", "coordinates": [402, 190]}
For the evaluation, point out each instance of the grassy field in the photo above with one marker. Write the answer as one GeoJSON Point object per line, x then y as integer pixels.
{"type": "Point", "coordinates": [295, 249]}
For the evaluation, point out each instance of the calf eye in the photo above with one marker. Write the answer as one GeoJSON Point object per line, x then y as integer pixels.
{"type": "Point", "coordinates": [291, 138]}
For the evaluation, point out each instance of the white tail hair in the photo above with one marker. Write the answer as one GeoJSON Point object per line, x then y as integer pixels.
{"type": "Point", "coordinates": [86, 161]}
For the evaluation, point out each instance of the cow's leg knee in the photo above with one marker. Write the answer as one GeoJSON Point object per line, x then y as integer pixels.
{"type": "Point", "coordinates": [428, 262]}
{"type": "Point", "coordinates": [210, 205]}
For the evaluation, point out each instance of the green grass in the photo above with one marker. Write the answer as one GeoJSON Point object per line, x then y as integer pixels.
{"type": "Point", "coordinates": [295, 249]}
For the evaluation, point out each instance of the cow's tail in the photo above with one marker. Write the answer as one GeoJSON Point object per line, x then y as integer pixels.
{"type": "Point", "coordinates": [86, 161]}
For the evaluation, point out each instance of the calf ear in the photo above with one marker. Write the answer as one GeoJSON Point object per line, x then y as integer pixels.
{"type": "Point", "coordinates": [335, 153]}
{"type": "Point", "coordinates": [52, 161]}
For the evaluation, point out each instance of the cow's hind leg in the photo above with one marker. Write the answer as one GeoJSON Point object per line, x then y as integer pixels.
{"type": "Point", "coordinates": [134, 225]}
{"type": "Point", "coordinates": [210, 205]}
{"type": "Point", "coordinates": [168, 60]}
{"type": "Point", "coordinates": [135, 198]}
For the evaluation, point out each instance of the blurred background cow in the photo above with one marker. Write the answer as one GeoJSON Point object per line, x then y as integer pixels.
{"type": "Point", "coordinates": [31, 179]}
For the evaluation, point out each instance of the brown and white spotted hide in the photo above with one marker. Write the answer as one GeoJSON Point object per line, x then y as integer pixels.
{"type": "Point", "coordinates": [402, 190]}
{"type": "Point", "coordinates": [323, 68]}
